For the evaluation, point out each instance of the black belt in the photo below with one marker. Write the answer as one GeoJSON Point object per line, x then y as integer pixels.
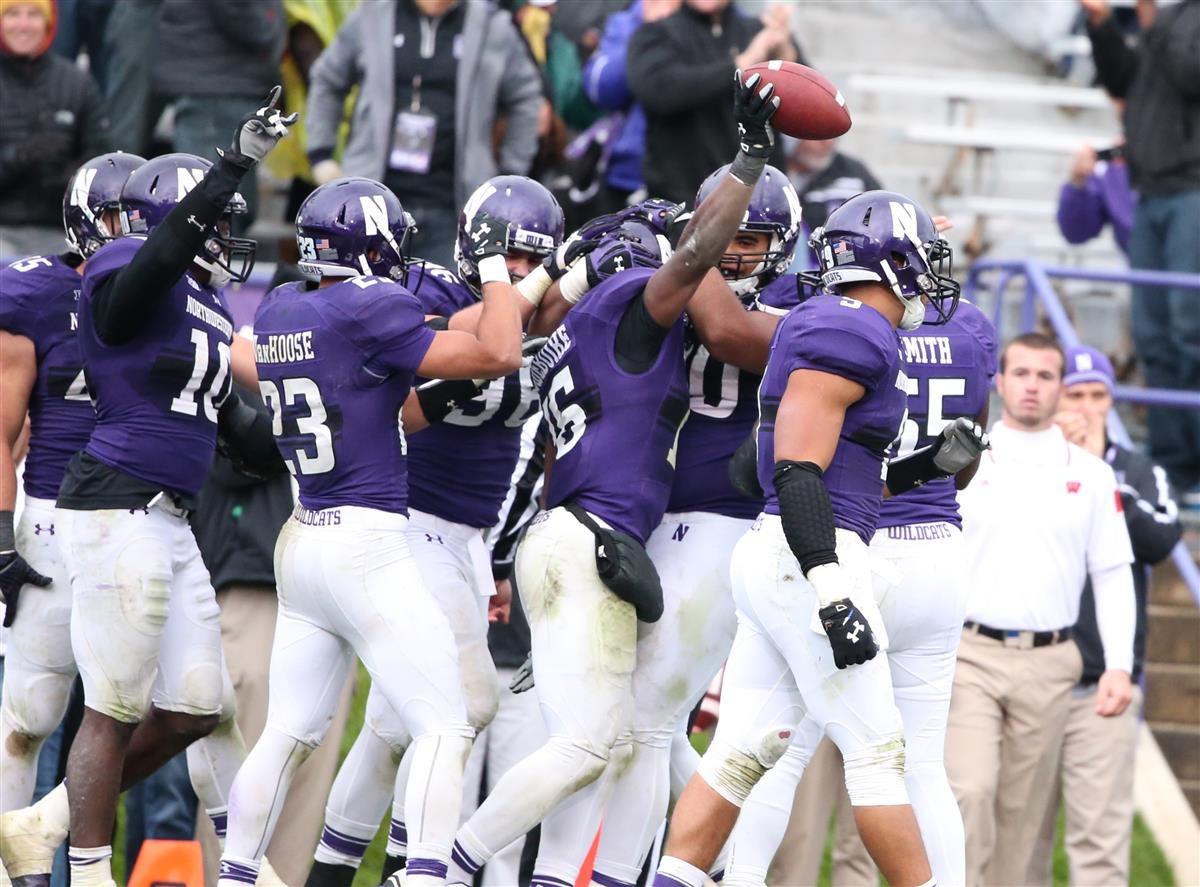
{"type": "Point", "coordinates": [1014, 638]}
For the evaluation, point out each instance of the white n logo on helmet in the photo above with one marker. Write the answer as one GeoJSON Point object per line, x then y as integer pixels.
{"type": "Point", "coordinates": [375, 216]}
{"type": "Point", "coordinates": [904, 221]}
{"type": "Point", "coordinates": [186, 180]}
{"type": "Point", "coordinates": [81, 188]}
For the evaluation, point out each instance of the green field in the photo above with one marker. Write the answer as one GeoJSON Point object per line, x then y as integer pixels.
{"type": "Point", "coordinates": [1150, 867]}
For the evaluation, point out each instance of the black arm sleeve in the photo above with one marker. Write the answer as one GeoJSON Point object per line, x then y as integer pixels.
{"type": "Point", "coordinates": [124, 301]}
{"type": "Point", "coordinates": [244, 436]}
{"type": "Point", "coordinates": [639, 338]}
{"type": "Point", "coordinates": [806, 513]}
{"type": "Point", "coordinates": [438, 400]}
{"type": "Point", "coordinates": [913, 470]}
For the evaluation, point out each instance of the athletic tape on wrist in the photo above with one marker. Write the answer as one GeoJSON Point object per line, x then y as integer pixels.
{"type": "Point", "coordinates": [746, 169]}
{"type": "Point", "coordinates": [493, 269]}
{"type": "Point", "coordinates": [574, 284]}
{"type": "Point", "coordinates": [533, 288]}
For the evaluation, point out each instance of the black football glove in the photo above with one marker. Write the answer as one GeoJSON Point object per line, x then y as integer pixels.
{"type": "Point", "coordinates": [656, 212]}
{"type": "Point", "coordinates": [753, 108]}
{"type": "Point", "coordinates": [488, 235]}
{"type": "Point", "coordinates": [615, 256]}
{"type": "Point", "coordinates": [15, 574]}
{"type": "Point", "coordinates": [557, 263]}
{"type": "Point", "coordinates": [849, 633]}
{"type": "Point", "coordinates": [261, 131]}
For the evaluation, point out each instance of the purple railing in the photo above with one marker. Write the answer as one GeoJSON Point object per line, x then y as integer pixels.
{"type": "Point", "coordinates": [1039, 293]}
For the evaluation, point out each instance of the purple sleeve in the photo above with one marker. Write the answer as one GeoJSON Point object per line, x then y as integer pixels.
{"type": "Point", "coordinates": [984, 333]}
{"type": "Point", "coordinates": [439, 290]}
{"type": "Point", "coordinates": [781, 294]}
{"type": "Point", "coordinates": [392, 331]}
{"type": "Point", "coordinates": [15, 314]}
{"type": "Point", "coordinates": [604, 80]}
{"type": "Point", "coordinates": [837, 341]}
{"type": "Point", "coordinates": [1081, 214]}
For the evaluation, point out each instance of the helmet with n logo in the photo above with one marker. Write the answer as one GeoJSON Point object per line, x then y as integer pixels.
{"type": "Point", "coordinates": [94, 192]}
{"type": "Point", "coordinates": [886, 238]}
{"type": "Point", "coordinates": [353, 226]}
{"type": "Point", "coordinates": [153, 190]}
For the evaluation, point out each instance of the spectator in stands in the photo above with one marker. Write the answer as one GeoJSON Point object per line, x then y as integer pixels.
{"type": "Point", "coordinates": [824, 177]}
{"type": "Point", "coordinates": [52, 118]}
{"type": "Point", "coordinates": [134, 108]}
{"type": "Point", "coordinates": [214, 60]}
{"type": "Point", "coordinates": [426, 111]}
{"type": "Point", "coordinates": [1096, 769]}
{"type": "Point", "coordinates": [236, 524]}
{"type": "Point", "coordinates": [558, 59]}
{"type": "Point", "coordinates": [1160, 84]}
{"type": "Point", "coordinates": [1097, 194]}
{"type": "Point", "coordinates": [1041, 517]}
{"type": "Point", "coordinates": [681, 69]}
{"type": "Point", "coordinates": [81, 26]}
{"type": "Point", "coordinates": [606, 84]}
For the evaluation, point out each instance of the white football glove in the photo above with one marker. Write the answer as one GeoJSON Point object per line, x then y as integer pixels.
{"type": "Point", "coordinates": [959, 444]}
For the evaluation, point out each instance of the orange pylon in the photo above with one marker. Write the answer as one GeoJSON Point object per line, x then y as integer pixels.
{"type": "Point", "coordinates": [168, 864]}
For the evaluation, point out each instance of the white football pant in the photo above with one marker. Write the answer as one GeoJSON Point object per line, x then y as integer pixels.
{"type": "Point", "coordinates": [923, 614]}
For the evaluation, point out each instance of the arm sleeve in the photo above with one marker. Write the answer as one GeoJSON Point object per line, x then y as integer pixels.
{"type": "Point", "coordinates": [1115, 61]}
{"type": "Point", "coordinates": [124, 301]}
{"type": "Point", "coordinates": [1181, 57]}
{"type": "Point", "coordinates": [1081, 214]}
{"type": "Point", "coordinates": [1150, 512]}
{"type": "Point", "coordinates": [666, 85]}
{"type": "Point", "coordinates": [520, 100]}
{"type": "Point", "coordinates": [1116, 615]}
{"type": "Point", "coordinates": [334, 72]}
{"type": "Point", "coordinates": [245, 436]}
{"type": "Point", "coordinates": [639, 338]}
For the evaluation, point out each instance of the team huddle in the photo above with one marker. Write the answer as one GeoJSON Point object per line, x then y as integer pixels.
{"type": "Point", "coordinates": [739, 459]}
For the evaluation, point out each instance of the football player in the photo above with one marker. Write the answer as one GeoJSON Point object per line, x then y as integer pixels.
{"type": "Point", "coordinates": [336, 364]}
{"type": "Point", "coordinates": [809, 635]}
{"type": "Point", "coordinates": [706, 515]}
{"type": "Point", "coordinates": [613, 387]}
{"type": "Point", "coordinates": [459, 472]}
{"type": "Point", "coordinates": [949, 374]}
{"type": "Point", "coordinates": [43, 373]}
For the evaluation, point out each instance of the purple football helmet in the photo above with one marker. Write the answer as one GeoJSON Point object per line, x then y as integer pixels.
{"type": "Point", "coordinates": [152, 191]}
{"type": "Point", "coordinates": [886, 238]}
{"type": "Point", "coordinates": [353, 226]}
{"type": "Point", "coordinates": [93, 191]}
{"type": "Point", "coordinates": [775, 210]}
{"type": "Point", "coordinates": [535, 220]}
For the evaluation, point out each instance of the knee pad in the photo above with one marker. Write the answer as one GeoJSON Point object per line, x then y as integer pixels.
{"type": "Point", "coordinates": [875, 775]}
{"type": "Point", "coordinates": [34, 704]}
{"type": "Point", "coordinates": [733, 772]}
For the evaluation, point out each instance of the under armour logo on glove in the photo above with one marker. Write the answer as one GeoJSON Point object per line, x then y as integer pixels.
{"type": "Point", "coordinates": [489, 234]}
{"type": "Point", "coordinates": [754, 108]}
{"type": "Point", "coordinates": [15, 574]}
{"type": "Point", "coordinates": [849, 633]}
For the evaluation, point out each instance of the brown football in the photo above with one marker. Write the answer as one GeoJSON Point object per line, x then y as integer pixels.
{"type": "Point", "coordinates": [810, 107]}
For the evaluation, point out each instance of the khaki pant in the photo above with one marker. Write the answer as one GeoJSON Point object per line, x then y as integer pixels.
{"type": "Point", "coordinates": [1008, 712]}
{"type": "Point", "coordinates": [821, 792]}
{"type": "Point", "coordinates": [247, 629]}
{"type": "Point", "coordinates": [1096, 775]}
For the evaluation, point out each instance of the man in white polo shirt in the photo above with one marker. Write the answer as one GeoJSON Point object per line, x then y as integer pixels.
{"type": "Point", "coordinates": [1041, 518]}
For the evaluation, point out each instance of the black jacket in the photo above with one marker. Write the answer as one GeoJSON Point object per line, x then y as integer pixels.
{"type": "Point", "coordinates": [218, 47]}
{"type": "Point", "coordinates": [1153, 521]}
{"type": "Point", "coordinates": [52, 118]}
{"type": "Point", "coordinates": [680, 68]}
{"type": "Point", "coordinates": [1160, 83]}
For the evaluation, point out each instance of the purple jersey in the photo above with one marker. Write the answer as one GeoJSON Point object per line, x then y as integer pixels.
{"type": "Point", "coordinates": [157, 396]}
{"type": "Point", "coordinates": [38, 299]}
{"type": "Point", "coordinates": [844, 337]}
{"type": "Point", "coordinates": [724, 408]}
{"type": "Point", "coordinates": [335, 366]}
{"type": "Point", "coordinates": [950, 371]}
{"type": "Point", "coordinates": [614, 432]}
{"type": "Point", "coordinates": [460, 469]}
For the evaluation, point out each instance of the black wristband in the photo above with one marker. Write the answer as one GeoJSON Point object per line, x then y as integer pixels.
{"type": "Point", "coordinates": [806, 513]}
{"type": "Point", "coordinates": [502, 570]}
{"type": "Point", "coordinates": [913, 470]}
{"type": "Point", "coordinates": [8, 540]}
{"type": "Point", "coordinates": [438, 324]}
{"type": "Point", "coordinates": [438, 400]}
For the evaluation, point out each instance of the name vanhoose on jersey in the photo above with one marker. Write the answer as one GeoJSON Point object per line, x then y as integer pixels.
{"type": "Point", "coordinates": [285, 348]}
{"type": "Point", "coordinates": [551, 353]}
{"type": "Point", "coordinates": [208, 315]}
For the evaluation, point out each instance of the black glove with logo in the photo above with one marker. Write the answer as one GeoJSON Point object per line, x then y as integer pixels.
{"type": "Point", "coordinates": [753, 108]}
{"type": "Point", "coordinates": [849, 633]}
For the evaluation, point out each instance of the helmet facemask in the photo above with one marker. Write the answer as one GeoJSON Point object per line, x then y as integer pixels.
{"type": "Point", "coordinates": [226, 258]}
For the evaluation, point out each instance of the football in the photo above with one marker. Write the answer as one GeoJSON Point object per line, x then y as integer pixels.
{"type": "Point", "coordinates": [810, 106]}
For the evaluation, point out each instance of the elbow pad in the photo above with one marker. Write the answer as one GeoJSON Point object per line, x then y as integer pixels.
{"type": "Point", "coordinates": [806, 513]}
{"type": "Point", "coordinates": [245, 438]}
{"type": "Point", "coordinates": [439, 397]}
